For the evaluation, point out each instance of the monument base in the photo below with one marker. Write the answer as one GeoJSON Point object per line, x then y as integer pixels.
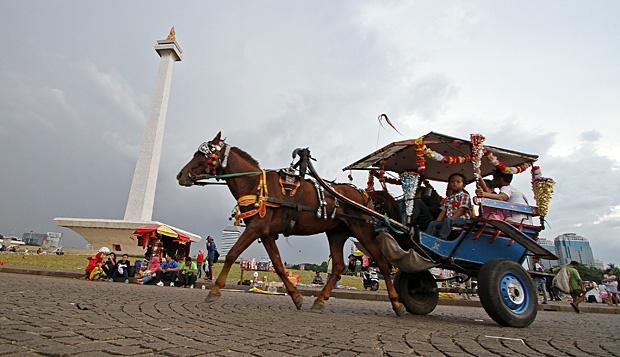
{"type": "Point", "coordinates": [112, 233]}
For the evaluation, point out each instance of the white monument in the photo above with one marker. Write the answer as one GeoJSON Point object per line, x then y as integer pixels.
{"type": "Point", "coordinates": [116, 234]}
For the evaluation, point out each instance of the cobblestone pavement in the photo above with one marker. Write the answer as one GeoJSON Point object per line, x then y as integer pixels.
{"type": "Point", "coordinates": [58, 316]}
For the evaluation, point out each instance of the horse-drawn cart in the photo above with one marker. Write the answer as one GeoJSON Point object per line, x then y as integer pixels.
{"type": "Point", "coordinates": [492, 250]}
{"type": "Point", "coordinates": [274, 202]}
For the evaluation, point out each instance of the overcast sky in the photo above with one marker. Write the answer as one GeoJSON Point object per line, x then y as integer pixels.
{"type": "Point", "coordinates": [76, 79]}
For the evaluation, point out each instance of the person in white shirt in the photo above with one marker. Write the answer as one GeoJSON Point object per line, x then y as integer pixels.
{"type": "Point", "coordinates": [506, 193]}
{"type": "Point", "coordinates": [611, 283]}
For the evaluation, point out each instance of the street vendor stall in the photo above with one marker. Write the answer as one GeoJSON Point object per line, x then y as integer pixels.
{"type": "Point", "coordinates": [162, 240]}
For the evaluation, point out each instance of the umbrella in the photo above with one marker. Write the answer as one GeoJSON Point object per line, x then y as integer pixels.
{"type": "Point", "coordinates": [163, 230]}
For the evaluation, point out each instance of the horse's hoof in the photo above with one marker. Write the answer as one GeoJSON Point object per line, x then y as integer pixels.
{"type": "Point", "coordinates": [318, 306]}
{"type": "Point", "coordinates": [212, 297]}
{"type": "Point", "coordinates": [399, 309]}
{"type": "Point", "coordinates": [299, 302]}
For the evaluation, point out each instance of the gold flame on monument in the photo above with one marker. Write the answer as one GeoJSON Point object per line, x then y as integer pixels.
{"type": "Point", "coordinates": [171, 35]}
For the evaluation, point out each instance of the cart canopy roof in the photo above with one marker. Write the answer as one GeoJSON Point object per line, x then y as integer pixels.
{"type": "Point", "coordinates": [400, 156]}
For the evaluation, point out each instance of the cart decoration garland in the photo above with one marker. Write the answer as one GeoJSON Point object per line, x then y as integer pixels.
{"type": "Point", "coordinates": [423, 152]}
{"type": "Point", "coordinates": [420, 151]}
{"type": "Point", "coordinates": [502, 166]}
{"type": "Point", "coordinates": [409, 182]}
{"type": "Point", "coordinates": [477, 151]}
{"type": "Point", "coordinates": [543, 190]}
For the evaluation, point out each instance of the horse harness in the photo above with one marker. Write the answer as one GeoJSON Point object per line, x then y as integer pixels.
{"type": "Point", "coordinates": [290, 183]}
{"type": "Point", "coordinates": [290, 187]}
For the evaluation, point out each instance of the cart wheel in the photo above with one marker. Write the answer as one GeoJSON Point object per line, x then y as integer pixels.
{"type": "Point", "coordinates": [417, 291]}
{"type": "Point", "coordinates": [507, 293]}
{"type": "Point", "coordinates": [374, 286]}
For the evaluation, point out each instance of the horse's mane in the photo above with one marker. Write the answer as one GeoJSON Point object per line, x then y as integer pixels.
{"type": "Point", "coordinates": [245, 155]}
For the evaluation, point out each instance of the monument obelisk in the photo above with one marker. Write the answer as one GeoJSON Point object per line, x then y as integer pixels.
{"type": "Point", "coordinates": [116, 233]}
{"type": "Point", "coordinates": [142, 192]}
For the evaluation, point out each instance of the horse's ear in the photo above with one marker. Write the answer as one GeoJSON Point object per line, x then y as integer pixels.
{"type": "Point", "coordinates": [217, 137]}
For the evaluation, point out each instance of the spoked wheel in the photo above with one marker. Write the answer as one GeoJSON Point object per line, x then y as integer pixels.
{"type": "Point", "coordinates": [507, 293]}
{"type": "Point", "coordinates": [417, 291]}
{"type": "Point", "coordinates": [374, 286]}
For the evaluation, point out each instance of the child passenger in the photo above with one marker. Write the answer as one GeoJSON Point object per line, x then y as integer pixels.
{"type": "Point", "coordinates": [456, 207]}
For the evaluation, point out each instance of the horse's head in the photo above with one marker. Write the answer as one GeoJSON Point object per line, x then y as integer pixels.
{"type": "Point", "coordinates": [210, 158]}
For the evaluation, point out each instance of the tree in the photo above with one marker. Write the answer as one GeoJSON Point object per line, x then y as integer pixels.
{"type": "Point", "coordinates": [614, 268]}
{"type": "Point", "coordinates": [590, 273]}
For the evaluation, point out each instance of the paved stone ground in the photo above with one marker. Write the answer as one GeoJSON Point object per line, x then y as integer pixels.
{"type": "Point", "coordinates": [56, 316]}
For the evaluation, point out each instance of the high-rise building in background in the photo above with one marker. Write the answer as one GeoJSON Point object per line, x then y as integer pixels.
{"type": "Point", "coordinates": [547, 244]}
{"type": "Point", "coordinates": [229, 237]}
{"type": "Point", "coordinates": [599, 264]}
{"type": "Point", "coordinates": [48, 240]}
{"type": "Point", "coordinates": [570, 246]}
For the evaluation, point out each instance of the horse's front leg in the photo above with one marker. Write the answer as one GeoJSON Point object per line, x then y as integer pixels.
{"type": "Point", "coordinates": [274, 254]}
{"type": "Point", "coordinates": [247, 237]}
{"type": "Point", "coordinates": [336, 244]}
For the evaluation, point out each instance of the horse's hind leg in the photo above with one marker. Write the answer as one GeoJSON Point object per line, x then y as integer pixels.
{"type": "Point", "coordinates": [247, 237]}
{"type": "Point", "coordinates": [367, 237]}
{"type": "Point", "coordinates": [336, 244]}
{"type": "Point", "coordinates": [274, 255]}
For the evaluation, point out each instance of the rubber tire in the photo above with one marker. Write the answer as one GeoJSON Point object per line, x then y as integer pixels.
{"type": "Point", "coordinates": [489, 284]}
{"type": "Point", "coordinates": [374, 286]}
{"type": "Point", "coordinates": [417, 291]}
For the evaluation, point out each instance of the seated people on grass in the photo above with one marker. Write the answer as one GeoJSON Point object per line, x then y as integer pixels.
{"type": "Point", "coordinates": [92, 262]}
{"type": "Point", "coordinates": [140, 274]}
{"type": "Point", "coordinates": [150, 274]}
{"type": "Point", "coordinates": [187, 273]}
{"type": "Point", "coordinates": [110, 265]}
{"type": "Point", "coordinates": [506, 193]}
{"type": "Point", "coordinates": [318, 279]}
{"type": "Point", "coordinates": [456, 207]}
{"type": "Point", "coordinates": [168, 272]}
{"type": "Point", "coordinates": [122, 268]}
{"type": "Point", "coordinates": [97, 273]}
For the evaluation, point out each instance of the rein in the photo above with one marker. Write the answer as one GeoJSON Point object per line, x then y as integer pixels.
{"type": "Point", "coordinates": [226, 176]}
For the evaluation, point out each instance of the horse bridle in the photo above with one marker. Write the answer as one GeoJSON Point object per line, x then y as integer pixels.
{"type": "Point", "coordinates": [213, 154]}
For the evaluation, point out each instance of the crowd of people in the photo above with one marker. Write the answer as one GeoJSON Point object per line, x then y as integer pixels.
{"type": "Point", "coordinates": [158, 268]}
{"type": "Point", "coordinates": [553, 289]}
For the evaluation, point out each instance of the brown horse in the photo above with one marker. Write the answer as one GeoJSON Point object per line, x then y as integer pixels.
{"type": "Point", "coordinates": [257, 193]}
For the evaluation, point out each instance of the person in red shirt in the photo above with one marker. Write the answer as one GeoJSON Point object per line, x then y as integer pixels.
{"type": "Point", "coordinates": [200, 262]}
{"type": "Point", "coordinates": [92, 262]}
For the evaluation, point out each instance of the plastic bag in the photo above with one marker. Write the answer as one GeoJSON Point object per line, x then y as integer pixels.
{"type": "Point", "coordinates": [121, 268]}
{"type": "Point", "coordinates": [562, 280]}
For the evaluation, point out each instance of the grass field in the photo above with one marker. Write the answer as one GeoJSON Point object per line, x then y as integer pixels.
{"type": "Point", "coordinates": [78, 263]}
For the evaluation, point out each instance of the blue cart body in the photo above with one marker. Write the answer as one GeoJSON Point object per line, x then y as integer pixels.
{"type": "Point", "coordinates": [476, 242]}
